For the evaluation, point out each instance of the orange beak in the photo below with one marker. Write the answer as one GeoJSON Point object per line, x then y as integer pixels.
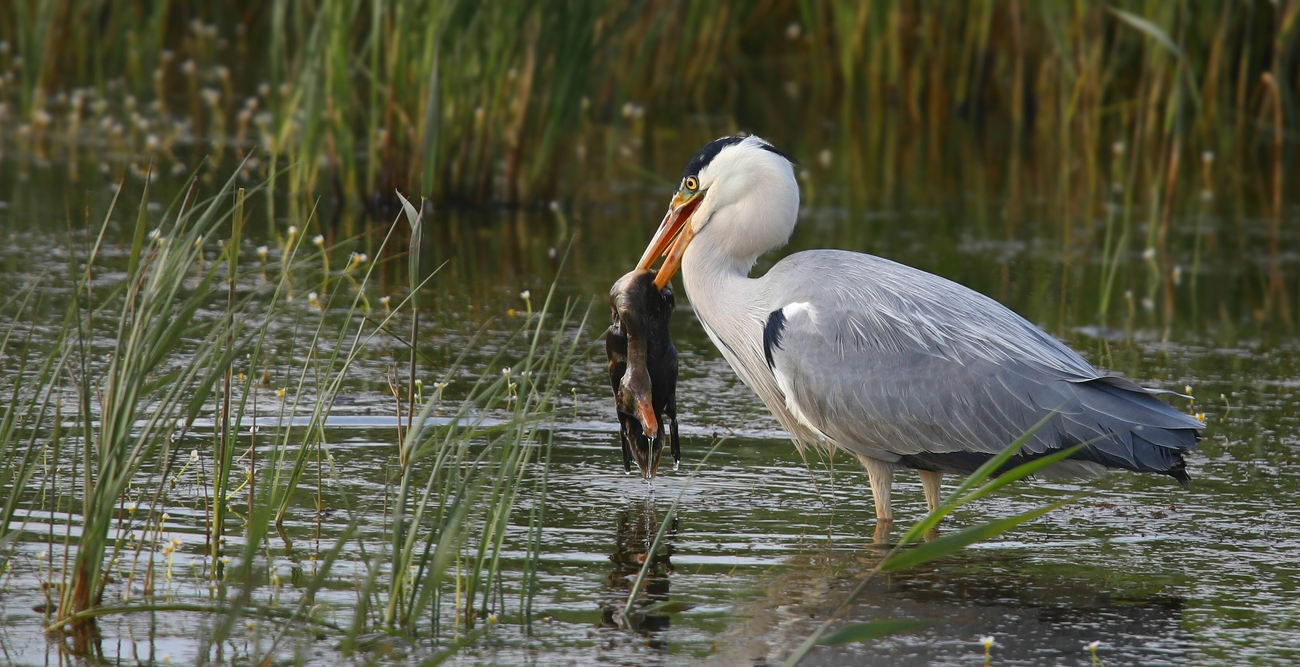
{"type": "Point", "coordinates": [672, 237]}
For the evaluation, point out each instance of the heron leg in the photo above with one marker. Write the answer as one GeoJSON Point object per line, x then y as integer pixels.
{"type": "Point", "coordinates": [930, 483]}
{"type": "Point", "coordinates": [881, 475]}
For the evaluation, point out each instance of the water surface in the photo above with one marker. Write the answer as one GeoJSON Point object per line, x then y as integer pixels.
{"type": "Point", "coordinates": [766, 542]}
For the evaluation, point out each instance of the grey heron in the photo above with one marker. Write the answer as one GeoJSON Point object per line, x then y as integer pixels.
{"type": "Point", "coordinates": [899, 367]}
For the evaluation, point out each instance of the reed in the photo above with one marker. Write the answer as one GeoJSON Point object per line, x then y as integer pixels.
{"type": "Point", "coordinates": [461, 476]}
{"type": "Point", "coordinates": [125, 411]}
{"type": "Point", "coordinates": [516, 100]}
{"type": "Point", "coordinates": [24, 409]}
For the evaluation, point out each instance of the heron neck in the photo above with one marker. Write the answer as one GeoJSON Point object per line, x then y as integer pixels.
{"type": "Point", "coordinates": [726, 300]}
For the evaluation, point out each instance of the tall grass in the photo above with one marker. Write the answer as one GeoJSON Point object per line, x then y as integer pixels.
{"type": "Point", "coordinates": [132, 372]}
{"type": "Point", "coordinates": [1017, 103]}
{"type": "Point", "coordinates": [519, 100]}
{"type": "Point", "coordinates": [156, 319]}
{"type": "Point", "coordinates": [29, 404]}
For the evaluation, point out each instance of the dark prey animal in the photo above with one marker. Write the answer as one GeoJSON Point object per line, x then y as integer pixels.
{"type": "Point", "coordinates": [643, 369]}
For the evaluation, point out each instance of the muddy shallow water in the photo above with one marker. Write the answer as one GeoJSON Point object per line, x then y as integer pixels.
{"type": "Point", "coordinates": [766, 542]}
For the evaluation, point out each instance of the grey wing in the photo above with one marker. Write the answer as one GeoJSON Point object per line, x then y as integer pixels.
{"type": "Point", "coordinates": [900, 361]}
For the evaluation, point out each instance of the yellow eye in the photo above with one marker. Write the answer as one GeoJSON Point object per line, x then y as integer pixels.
{"type": "Point", "coordinates": [692, 183]}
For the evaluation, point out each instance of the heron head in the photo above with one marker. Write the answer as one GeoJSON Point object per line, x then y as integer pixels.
{"type": "Point", "coordinates": [740, 191]}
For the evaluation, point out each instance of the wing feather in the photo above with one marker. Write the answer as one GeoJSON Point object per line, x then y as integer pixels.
{"type": "Point", "coordinates": [890, 358]}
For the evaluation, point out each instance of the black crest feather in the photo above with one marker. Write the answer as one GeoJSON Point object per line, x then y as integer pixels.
{"type": "Point", "coordinates": [711, 150]}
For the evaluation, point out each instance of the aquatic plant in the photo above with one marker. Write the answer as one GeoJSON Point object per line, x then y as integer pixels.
{"type": "Point", "coordinates": [1081, 114]}
{"type": "Point", "coordinates": [517, 100]}
{"type": "Point", "coordinates": [128, 409]}
{"type": "Point", "coordinates": [1089, 108]}
{"type": "Point", "coordinates": [189, 337]}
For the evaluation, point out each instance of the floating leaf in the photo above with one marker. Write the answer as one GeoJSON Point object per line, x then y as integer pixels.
{"type": "Point", "coordinates": [861, 632]}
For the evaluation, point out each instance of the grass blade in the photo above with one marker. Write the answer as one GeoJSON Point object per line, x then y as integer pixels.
{"type": "Point", "coordinates": [950, 544]}
{"type": "Point", "coordinates": [1149, 29]}
{"type": "Point", "coordinates": [955, 499]}
{"type": "Point", "coordinates": [861, 632]}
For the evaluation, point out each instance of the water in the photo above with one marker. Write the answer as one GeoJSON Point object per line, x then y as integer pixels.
{"type": "Point", "coordinates": [766, 543]}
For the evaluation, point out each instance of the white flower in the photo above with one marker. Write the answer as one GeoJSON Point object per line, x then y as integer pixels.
{"type": "Point", "coordinates": [1092, 646]}
{"type": "Point", "coordinates": [525, 295]}
{"type": "Point", "coordinates": [194, 454]}
{"type": "Point", "coordinates": [318, 241]}
{"type": "Point", "coordinates": [293, 231]}
{"type": "Point", "coordinates": [987, 642]}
